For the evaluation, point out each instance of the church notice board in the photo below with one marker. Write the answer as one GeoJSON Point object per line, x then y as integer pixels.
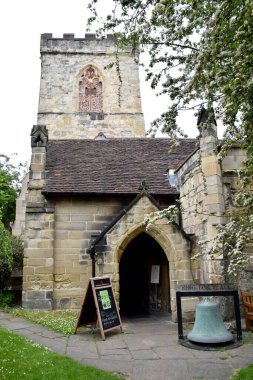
{"type": "Point", "coordinates": [99, 305]}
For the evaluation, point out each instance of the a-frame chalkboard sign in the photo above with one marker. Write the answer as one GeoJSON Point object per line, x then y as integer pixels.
{"type": "Point", "coordinates": [99, 305]}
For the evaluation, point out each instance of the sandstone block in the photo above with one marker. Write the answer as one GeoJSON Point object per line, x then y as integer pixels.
{"type": "Point", "coordinates": [44, 270]}
{"type": "Point", "coordinates": [28, 270]}
{"type": "Point", "coordinates": [210, 166]}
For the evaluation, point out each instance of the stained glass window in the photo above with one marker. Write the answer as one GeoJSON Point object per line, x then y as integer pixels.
{"type": "Point", "coordinates": [90, 91]}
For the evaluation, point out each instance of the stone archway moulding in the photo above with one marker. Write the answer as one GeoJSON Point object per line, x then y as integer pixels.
{"type": "Point", "coordinates": [161, 235]}
{"type": "Point", "coordinates": [175, 247]}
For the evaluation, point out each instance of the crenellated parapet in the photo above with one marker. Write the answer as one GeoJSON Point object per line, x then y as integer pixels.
{"type": "Point", "coordinates": [89, 44]}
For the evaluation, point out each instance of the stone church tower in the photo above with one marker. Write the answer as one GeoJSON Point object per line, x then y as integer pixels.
{"type": "Point", "coordinates": [79, 97]}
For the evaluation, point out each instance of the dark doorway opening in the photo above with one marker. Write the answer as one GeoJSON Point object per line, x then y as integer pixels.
{"type": "Point", "coordinates": [141, 289]}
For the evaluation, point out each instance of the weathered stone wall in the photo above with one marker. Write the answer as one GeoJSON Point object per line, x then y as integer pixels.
{"type": "Point", "coordinates": [77, 222]}
{"type": "Point", "coordinates": [57, 266]}
{"type": "Point", "coordinates": [230, 166]}
{"type": "Point", "coordinates": [39, 232]}
{"type": "Point", "coordinates": [207, 190]}
{"type": "Point", "coordinates": [62, 63]}
{"type": "Point", "coordinates": [192, 195]}
{"type": "Point", "coordinates": [202, 198]}
{"type": "Point", "coordinates": [38, 261]}
{"type": "Point", "coordinates": [19, 224]}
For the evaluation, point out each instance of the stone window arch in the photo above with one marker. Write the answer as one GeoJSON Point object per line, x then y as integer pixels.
{"type": "Point", "coordinates": [90, 91]}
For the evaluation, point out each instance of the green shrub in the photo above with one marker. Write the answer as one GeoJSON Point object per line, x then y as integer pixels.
{"type": "Point", "coordinates": [6, 298]}
{"type": "Point", "coordinates": [11, 255]}
{"type": "Point", "coordinates": [17, 251]}
{"type": "Point", "coordinates": [6, 259]}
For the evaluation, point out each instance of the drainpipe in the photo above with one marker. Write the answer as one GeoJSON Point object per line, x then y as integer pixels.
{"type": "Point", "coordinates": [93, 263]}
{"type": "Point", "coordinates": [180, 222]}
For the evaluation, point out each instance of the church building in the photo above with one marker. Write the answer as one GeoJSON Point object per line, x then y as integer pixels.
{"type": "Point", "coordinates": [94, 176]}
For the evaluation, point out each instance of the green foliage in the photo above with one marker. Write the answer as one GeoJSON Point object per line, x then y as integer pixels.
{"type": "Point", "coordinates": [171, 213]}
{"type": "Point", "coordinates": [62, 321]}
{"type": "Point", "coordinates": [11, 247]}
{"type": "Point", "coordinates": [247, 337]}
{"type": "Point", "coordinates": [233, 237]}
{"type": "Point", "coordinates": [6, 298]}
{"type": "Point", "coordinates": [24, 359]}
{"type": "Point", "coordinates": [200, 53]}
{"type": "Point", "coordinates": [6, 259]}
{"type": "Point", "coordinates": [10, 178]}
{"type": "Point", "coordinates": [244, 374]}
{"type": "Point", "coordinates": [231, 242]}
{"type": "Point", "coordinates": [11, 255]}
{"type": "Point", "coordinates": [17, 251]}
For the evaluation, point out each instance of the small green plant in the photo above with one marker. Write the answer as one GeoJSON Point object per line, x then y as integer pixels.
{"type": "Point", "coordinates": [6, 259]}
{"type": "Point", "coordinates": [247, 337]}
{"type": "Point", "coordinates": [6, 298]}
{"type": "Point", "coordinates": [11, 255]}
{"type": "Point", "coordinates": [17, 249]}
{"type": "Point", "coordinates": [244, 374]}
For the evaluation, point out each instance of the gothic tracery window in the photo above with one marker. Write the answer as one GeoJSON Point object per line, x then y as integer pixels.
{"type": "Point", "coordinates": [90, 91]}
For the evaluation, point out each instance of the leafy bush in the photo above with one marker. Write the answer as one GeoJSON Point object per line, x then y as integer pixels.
{"type": "Point", "coordinates": [11, 255]}
{"type": "Point", "coordinates": [6, 258]}
{"type": "Point", "coordinates": [10, 184]}
{"type": "Point", "coordinates": [17, 249]}
{"type": "Point", "coordinates": [6, 298]}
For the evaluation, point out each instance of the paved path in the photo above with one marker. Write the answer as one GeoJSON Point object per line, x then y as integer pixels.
{"type": "Point", "coordinates": [147, 350]}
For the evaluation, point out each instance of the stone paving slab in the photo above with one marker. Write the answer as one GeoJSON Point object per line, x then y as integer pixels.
{"type": "Point", "coordinates": [147, 350]}
{"type": "Point", "coordinates": [125, 366]}
{"type": "Point", "coordinates": [144, 354]}
{"type": "Point", "coordinates": [122, 357]}
{"type": "Point", "coordinates": [12, 325]}
{"type": "Point", "coordinates": [80, 354]}
{"type": "Point", "coordinates": [160, 370]}
{"type": "Point", "coordinates": [112, 351]}
{"type": "Point", "coordinates": [115, 343]}
{"type": "Point", "coordinates": [134, 342]}
{"type": "Point", "coordinates": [209, 369]}
{"type": "Point", "coordinates": [176, 352]}
{"type": "Point", "coordinates": [160, 340]}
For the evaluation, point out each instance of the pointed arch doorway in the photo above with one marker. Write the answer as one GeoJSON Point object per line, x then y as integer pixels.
{"type": "Point", "coordinates": [144, 278]}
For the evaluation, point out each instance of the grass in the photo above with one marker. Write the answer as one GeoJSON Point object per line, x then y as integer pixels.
{"type": "Point", "coordinates": [62, 321]}
{"type": "Point", "coordinates": [247, 338]}
{"type": "Point", "coordinates": [244, 374]}
{"type": "Point", "coordinates": [23, 359]}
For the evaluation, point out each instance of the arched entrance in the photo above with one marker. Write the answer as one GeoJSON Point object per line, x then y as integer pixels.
{"type": "Point", "coordinates": [144, 277]}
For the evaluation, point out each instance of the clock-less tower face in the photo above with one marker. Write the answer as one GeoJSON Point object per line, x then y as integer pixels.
{"type": "Point", "coordinates": [80, 93]}
{"type": "Point", "coordinates": [90, 91]}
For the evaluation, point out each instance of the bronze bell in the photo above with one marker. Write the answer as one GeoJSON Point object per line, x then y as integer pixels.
{"type": "Point", "coordinates": [209, 326]}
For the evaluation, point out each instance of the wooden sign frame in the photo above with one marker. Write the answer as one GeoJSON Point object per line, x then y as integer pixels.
{"type": "Point", "coordinates": [99, 305]}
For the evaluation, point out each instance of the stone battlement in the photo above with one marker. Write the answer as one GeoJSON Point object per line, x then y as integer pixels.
{"type": "Point", "coordinates": [68, 43]}
{"type": "Point", "coordinates": [71, 36]}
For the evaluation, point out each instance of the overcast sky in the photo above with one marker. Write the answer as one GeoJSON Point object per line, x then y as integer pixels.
{"type": "Point", "coordinates": [21, 24]}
